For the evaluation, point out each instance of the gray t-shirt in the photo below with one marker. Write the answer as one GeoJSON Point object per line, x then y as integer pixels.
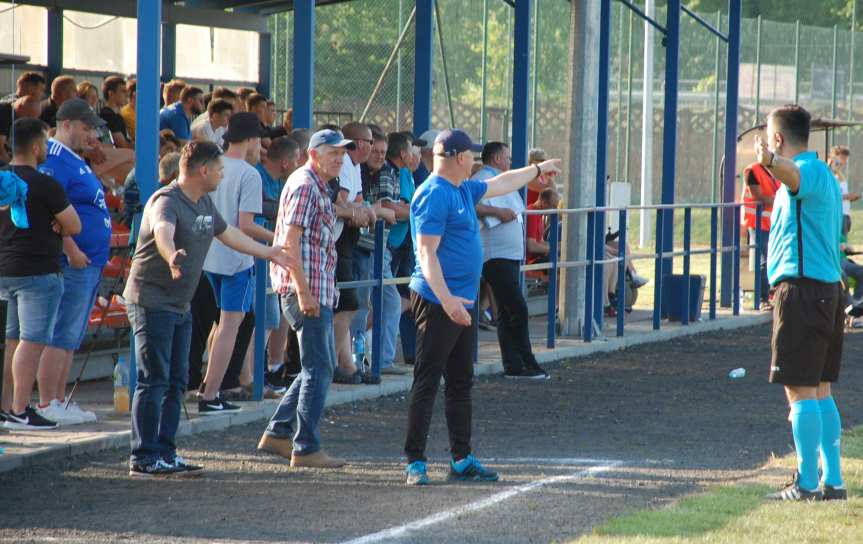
{"type": "Point", "coordinates": [241, 190]}
{"type": "Point", "coordinates": [501, 240]}
{"type": "Point", "coordinates": [196, 223]}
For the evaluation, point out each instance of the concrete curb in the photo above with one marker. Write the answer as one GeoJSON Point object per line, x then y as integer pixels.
{"type": "Point", "coordinates": [263, 410]}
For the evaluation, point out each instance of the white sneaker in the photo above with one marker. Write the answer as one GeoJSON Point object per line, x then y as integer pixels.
{"type": "Point", "coordinates": [639, 281]}
{"type": "Point", "coordinates": [55, 412]}
{"type": "Point", "coordinates": [86, 415]}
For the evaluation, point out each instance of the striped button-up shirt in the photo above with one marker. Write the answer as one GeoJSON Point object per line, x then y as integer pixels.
{"type": "Point", "coordinates": [305, 203]}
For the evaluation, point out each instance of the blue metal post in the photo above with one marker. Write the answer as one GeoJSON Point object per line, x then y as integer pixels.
{"type": "Point", "coordinates": [260, 328]}
{"type": "Point", "coordinates": [687, 244]}
{"type": "Point", "coordinates": [554, 221]}
{"type": "Point", "coordinates": [265, 64]}
{"type": "Point", "coordinates": [621, 272]}
{"type": "Point", "coordinates": [729, 216]}
{"type": "Point", "coordinates": [657, 273]}
{"type": "Point", "coordinates": [521, 83]}
{"type": "Point", "coordinates": [735, 268]}
{"type": "Point", "coordinates": [377, 298]}
{"type": "Point", "coordinates": [304, 62]}
{"type": "Point", "coordinates": [601, 151]}
{"type": "Point", "coordinates": [55, 43]}
{"type": "Point", "coordinates": [588, 278]}
{"type": "Point", "coordinates": [759, 240]}
{"type": "Point", "coordinates": [147, 127]}
{"type": "Point", "coordinates": [423, 64]}
{"type": "Point", "coordinates": [669, 131]}
{"type": "Point", "coordinates": [169, 52]}
{"type": "Point", "coordinates": [714, 228]}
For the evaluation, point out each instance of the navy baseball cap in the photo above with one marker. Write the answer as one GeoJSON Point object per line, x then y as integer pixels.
{"type": "Point", "coordinates": [451, 142]}
{"type": "Point", "coordinates": [330, 137]}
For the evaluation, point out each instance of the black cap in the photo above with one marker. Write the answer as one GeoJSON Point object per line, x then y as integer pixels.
{"type": "Point", "coordinates": [242, 126]}
{"type": "Point", "coordinates": [77, 109]}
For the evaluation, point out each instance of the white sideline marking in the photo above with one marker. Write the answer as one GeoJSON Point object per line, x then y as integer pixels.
{"type": "Point", "coordinates": [549, 461]}
{"type": "Point", "coordinates": [446, 515]}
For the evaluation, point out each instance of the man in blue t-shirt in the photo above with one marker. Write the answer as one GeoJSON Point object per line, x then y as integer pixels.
{"type": "Point", "coordinates": [178, 116]}
{"type": "Point", "coordinates": [85, 254]}
{"type": "Point", "coordinates": [808, 319]}
{"type": "Point", "coordinates": [445, 282]}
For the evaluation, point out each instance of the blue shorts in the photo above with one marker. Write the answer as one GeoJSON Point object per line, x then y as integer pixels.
{"type": "Point", "coordinates": [80, 287]}
{"type": "Point", "coordinates": [32, 306]}
{"type": "Point", "coordinates": [233, 293]}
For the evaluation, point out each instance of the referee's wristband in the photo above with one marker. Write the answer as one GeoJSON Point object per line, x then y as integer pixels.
{"type": "Point", "coordinates": [538, 171]}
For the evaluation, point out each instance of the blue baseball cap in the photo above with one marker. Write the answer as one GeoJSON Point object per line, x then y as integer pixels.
{"type": "Point", "coordinates": [330, 137]}
{"type": "Point", "coordinates": [453, 141]}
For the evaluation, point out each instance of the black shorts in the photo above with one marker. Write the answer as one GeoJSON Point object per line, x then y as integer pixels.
{"type": "Point", "coordinates": [348, 301]}
{"type": "Point", "coordinates": [808, 329]}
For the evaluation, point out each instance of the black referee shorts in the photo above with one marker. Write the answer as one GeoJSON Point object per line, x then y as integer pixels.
{"type": "Point", "coordinates": [808, 329]}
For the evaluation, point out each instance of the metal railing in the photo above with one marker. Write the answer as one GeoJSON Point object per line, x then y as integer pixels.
{"type": "Point", "coordinates": [592, 263]}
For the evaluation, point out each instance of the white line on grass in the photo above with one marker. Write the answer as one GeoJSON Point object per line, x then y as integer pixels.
{"type": "Point", "coordinates": [539, 461]}
{"type": "Point", "coordinates": [497, 498]}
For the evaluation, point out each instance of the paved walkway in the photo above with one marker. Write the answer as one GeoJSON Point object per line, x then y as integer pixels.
{"type": "Point", "coordinates": [112, 429]}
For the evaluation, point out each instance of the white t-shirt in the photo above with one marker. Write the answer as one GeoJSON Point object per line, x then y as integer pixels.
{"type": "Point", "coordinates": [350, 180]}
{"type": "Point", "coordinates": [846, 204]}
{"type": "Point", "coordinates": [241, 190]}
{"type": "Point", "coordinates": [204, 131]}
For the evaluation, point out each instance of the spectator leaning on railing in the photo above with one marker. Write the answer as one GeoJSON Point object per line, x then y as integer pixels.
{"type": "Point", "coordinates": [34, 215]}
{"type": "Point", "coordinates": [179, 223]}
{"type": "Point", "coordinates": [85, 254]}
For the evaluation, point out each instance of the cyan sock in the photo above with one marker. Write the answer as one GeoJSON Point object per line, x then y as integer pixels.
{"type": "Point", "coordinates": [831, 432]}
{"type": "Point", "coordinates": [806, 426]}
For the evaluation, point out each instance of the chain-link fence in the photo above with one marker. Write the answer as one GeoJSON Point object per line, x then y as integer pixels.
{"type": "Point", "coordinates": [363, 67]}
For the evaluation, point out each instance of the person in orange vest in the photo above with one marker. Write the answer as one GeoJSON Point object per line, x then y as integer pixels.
{"type": "Point", "coordinates": [760, 188]}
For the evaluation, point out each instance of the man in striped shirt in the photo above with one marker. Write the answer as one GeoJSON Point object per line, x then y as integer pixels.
{"type": "Point", "coordinates": [305, 226]}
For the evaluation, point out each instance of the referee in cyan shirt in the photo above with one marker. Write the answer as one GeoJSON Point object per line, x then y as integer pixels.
{"type": "Point", "coordinates": [808, 318]}
{"type": "Point", "coordinates": [445, 281]}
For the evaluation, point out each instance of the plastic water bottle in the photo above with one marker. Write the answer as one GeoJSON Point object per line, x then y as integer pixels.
{"type": "Point", "coordinates": [121, 385]}
{"type": "Point", "coordinates": [359, 350]}
{"type": "Point", "coordinates": [737, 373]}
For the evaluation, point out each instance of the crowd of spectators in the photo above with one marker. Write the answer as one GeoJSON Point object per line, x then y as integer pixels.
{"type": "Point", "coordinates": [75, 150]}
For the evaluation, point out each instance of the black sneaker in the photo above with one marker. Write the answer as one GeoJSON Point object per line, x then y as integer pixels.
{"type": "Point", "coordinates": [526, 374]}
{"type": "Point", "coordinates": [830, 493]}
{"type": "Point", "coordinates": [216, 406]}
{"type": "Point", "coordinates": [793, 492]}
{"type": "Point", "coordinates": [29, 420]}
{"type": "Point", "coordinates": [2, 417]}
{"type": "Point", "coordinates": [159, 469]}
{"type": "Point", "coordinates": [538, 373]}
{"type": "Point", "coordinates": [184, 469]}
{"type": "Point", "coordinates": [276, 380]}
{"type": "Point", "coordinates": [473, 472]}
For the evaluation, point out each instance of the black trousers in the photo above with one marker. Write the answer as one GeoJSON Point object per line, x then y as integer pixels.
{"type": "Point", "coordinates": [512, 319]}
{"type": "Point", "coordinates": [205, 313]}
{"type": "Point", "coordinates": [443, 349]}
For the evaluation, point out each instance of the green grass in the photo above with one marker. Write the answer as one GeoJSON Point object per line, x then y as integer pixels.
{"type": "Point", "coordinates": [738, 514]}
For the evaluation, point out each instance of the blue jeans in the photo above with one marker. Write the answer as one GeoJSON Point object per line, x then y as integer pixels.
{"type": "Point", "coordinates": [80, 287]}
{"type": "Point", "coordinates": [32, 306]}
{"type": "Point", "coordinates": [162, 340]}
{"type": "Point", "coordinates": [392, 305]}
{"type": "Point", "coordinates": [304, 401]}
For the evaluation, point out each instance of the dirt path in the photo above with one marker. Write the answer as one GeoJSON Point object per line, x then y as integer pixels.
{"type": "Point", "coordinates": [607, 434]}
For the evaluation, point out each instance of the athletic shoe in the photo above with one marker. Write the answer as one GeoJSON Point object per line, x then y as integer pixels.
{"type": "Point", "coordinates": [2, 417]}
{"type": "Point", "coordinates": [639, 281]}
{"type": "Point", "coordinates": [347, 379]}
{"type": "Point", "coordinates": [470, 469]}
{"type": "Point", "coordinates": [29, 420]}
{"type": "Point", "coordinates": [416, 473]}
{"type": "Point", "coordinates": [538, 372]}
{"type": "Point", "coordinates": [830, 493]}
{"type": "Point", "coordinates": [159, 469]}
{"type": "Point", "coordinates": [86, 415]}
{"type": "Point", "coordinates": [216, 406]}
{"type": "Point", "coordinates": [184, 469]}
{"type": "Point", "coordinates": [527, 374]}
{"type": "Point", "coordinates": [393, 370]}
{"type": "Point", "coordinates": [276, 381]}
{"type": "Point", "coordinates": [56, 412]}
{"type": "Point", "coordinates": [793, 492]}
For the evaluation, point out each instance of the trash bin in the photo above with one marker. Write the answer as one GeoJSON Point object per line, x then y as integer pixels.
{"type": "Point", "coordinates": [673, 289]}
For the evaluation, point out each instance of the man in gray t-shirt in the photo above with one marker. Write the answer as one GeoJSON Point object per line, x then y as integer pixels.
{"type": "Point", "coordinates": [179, 223]}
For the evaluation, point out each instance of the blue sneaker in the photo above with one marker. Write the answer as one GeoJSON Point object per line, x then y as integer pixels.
{"type": "Point", "coordinates": [470, 469]}
{"type": "Point", "coordinates": [416, 473]}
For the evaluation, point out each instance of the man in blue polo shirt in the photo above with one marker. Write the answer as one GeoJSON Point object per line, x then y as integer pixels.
{"type": "Point", "coordinates": [445, 283]}
{"type": "Point", "coordinates": [85, 253]}
{"type": "Point", "coordinates": [178, 116]}
{"type": "Point", "coordinates": [808, 319]}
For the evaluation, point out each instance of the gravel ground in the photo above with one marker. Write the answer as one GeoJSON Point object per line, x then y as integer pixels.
{"type": "Point", "coordinates": [666, 412]}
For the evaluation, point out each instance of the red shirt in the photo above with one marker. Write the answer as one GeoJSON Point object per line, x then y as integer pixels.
{"type": "Point", "coordinates": [535, 230]}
